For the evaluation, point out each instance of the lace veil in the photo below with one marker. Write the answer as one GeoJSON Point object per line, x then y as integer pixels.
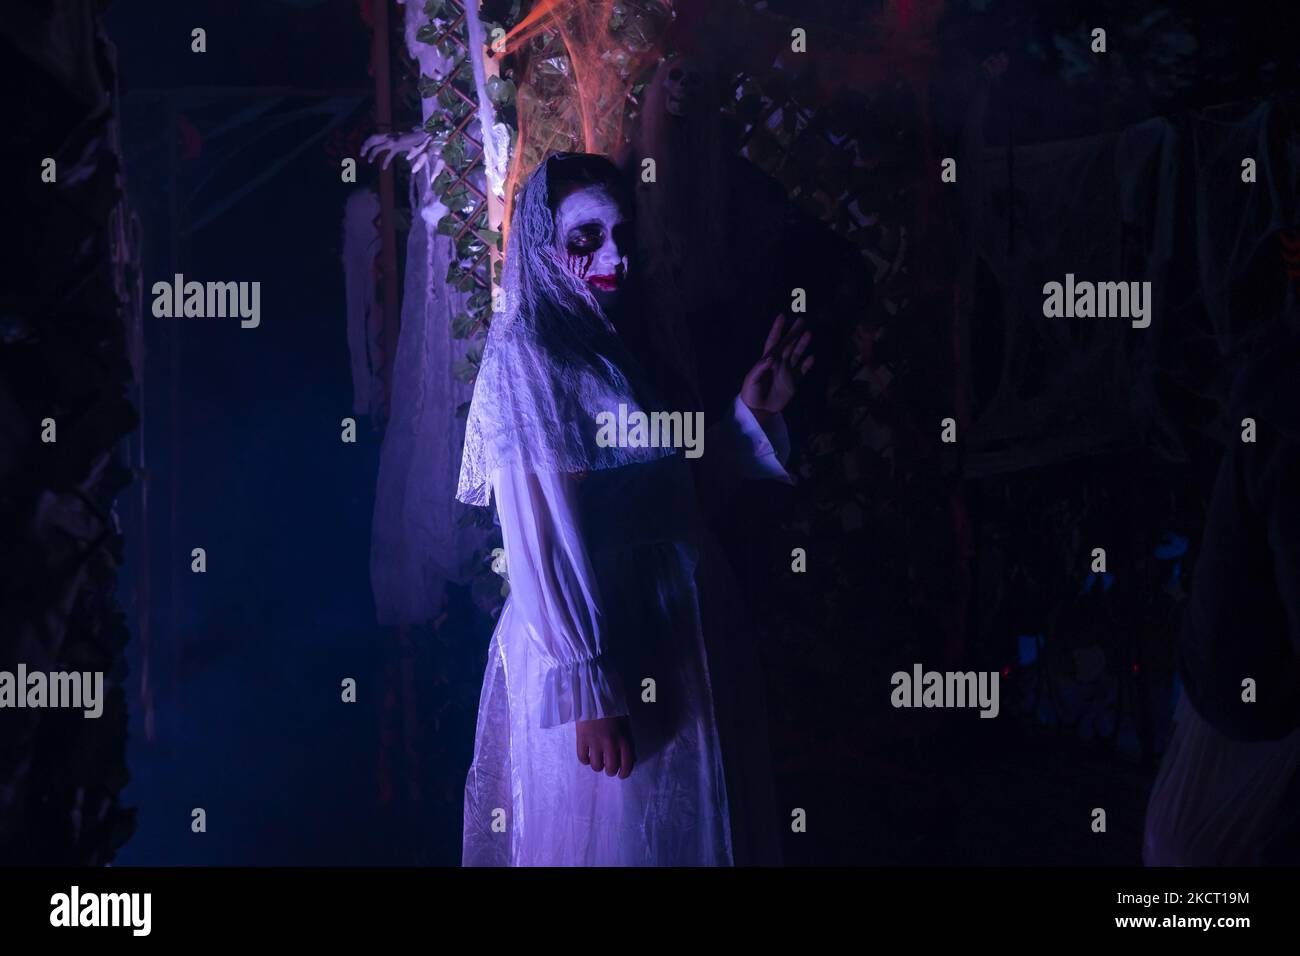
{"type": "Point", "coordinates": [553, 360]}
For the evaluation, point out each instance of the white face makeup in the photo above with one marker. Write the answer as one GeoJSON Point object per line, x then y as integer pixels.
{"type": "Point", "coordinates": [593, 246]}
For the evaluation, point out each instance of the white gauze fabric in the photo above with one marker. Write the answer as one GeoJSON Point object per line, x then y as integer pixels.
{"type": "Point", "coordinates": [552, 363]}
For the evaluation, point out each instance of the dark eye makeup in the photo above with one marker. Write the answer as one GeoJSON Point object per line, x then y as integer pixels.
{"type": "Point", "coordinates": [586, 236]}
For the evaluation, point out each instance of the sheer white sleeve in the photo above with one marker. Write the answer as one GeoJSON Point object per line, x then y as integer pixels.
{"type": "Point", "coordinates": [554, 587]}
{"type": "Point", "coordinates": [737, 446]}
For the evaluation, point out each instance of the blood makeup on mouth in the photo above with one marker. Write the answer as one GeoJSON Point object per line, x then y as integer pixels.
{"type": "Point", "coordinates": [580, 265]}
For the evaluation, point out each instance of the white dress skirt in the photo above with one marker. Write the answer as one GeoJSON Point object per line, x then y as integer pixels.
{"type": "Point", "coordinates": [1216, 801]}
{"type": "Point", "coordinates": [614, 581]}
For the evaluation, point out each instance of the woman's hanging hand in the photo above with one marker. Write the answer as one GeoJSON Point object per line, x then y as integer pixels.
{"type": "Point", "coordinates": [606, 744]}
{"type": "Point", "coordinates": [770, 384]}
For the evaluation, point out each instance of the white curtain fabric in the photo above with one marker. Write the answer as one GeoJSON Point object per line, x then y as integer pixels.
{"type": "Point", "coordinates": [419, 540]}
{"type": "Point", "coordinates": [613, 582]}
{"type": "Point", "coordinates": [1135, 182]}
{"type": "Point", "coordinates": [1043, 357]}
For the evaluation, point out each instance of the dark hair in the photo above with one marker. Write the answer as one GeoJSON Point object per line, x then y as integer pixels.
{"type": "Point", "coordinates": [567, 171]}
{"type": "Point", "coordinates": [539, 285]}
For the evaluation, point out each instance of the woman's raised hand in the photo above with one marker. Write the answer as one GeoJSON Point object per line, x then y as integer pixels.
{"type": "Point", "coordinates": [770, 384]}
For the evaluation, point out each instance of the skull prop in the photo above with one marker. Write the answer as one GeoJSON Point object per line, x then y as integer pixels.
{"type": "Point", "coordinates": [681, 81]}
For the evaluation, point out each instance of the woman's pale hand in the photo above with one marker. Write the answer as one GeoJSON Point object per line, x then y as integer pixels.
{"type": "Point", "coordinates": [771, 383]}
{"type": "Point", "coordinates": [606, 744]}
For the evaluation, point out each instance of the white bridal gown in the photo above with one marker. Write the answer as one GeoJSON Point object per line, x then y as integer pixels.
{"type": "Point", "coordinates": [606, 585]}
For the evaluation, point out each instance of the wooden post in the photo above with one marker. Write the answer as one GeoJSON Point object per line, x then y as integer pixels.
{"type": "Point", "coordinates": [496, 206]}
{"type": "Point", "coordinates": [379, 62]}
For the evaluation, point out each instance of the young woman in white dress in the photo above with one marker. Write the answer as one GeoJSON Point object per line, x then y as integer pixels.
{"type": "Point", "coordinates": [620, 721]}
